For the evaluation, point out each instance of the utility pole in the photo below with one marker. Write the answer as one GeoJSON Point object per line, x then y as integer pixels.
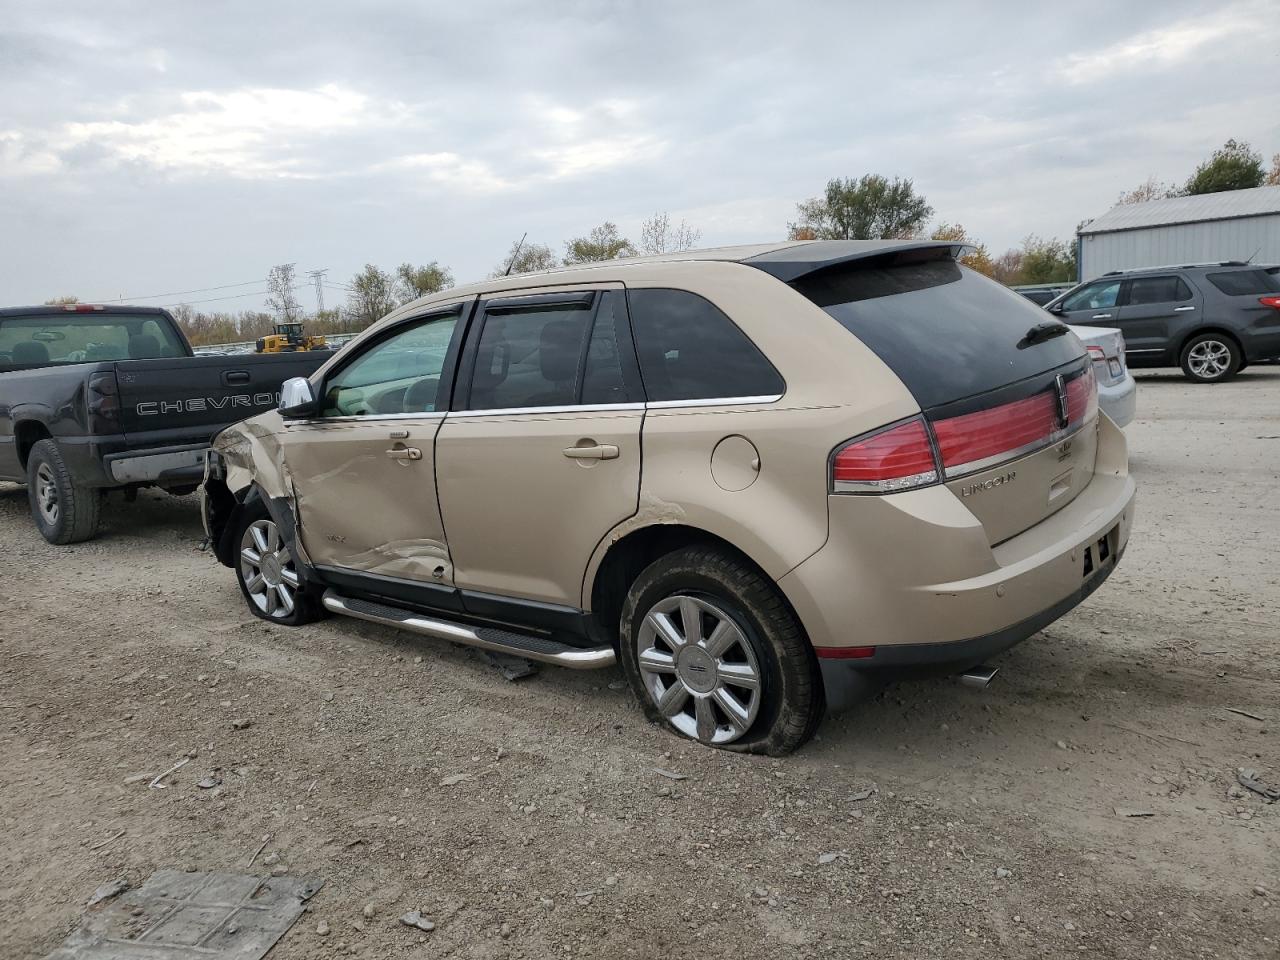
{"type": "Point", "coordinates": [317, 277]}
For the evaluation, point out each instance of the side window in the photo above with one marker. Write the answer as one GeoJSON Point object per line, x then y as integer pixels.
{"type": "Point", "coordinates": [528, 357]}
{"type": "Point", "coordinates": [1143, 290]}
{"type": "Point", "coordinates": [602, 378]}
{"type": "Point", "coordinates": [400, 374]}
{"type": "Point", "coordinates": [689, 350]}
{"type": "Point", "coordinates": [1096, 296]}
{"type": "Point", "coordinates": [1240, 283]}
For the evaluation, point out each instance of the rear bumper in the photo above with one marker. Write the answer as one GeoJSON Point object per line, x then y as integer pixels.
{"type": "Point", "coordinates": [1119, 401]}
{"type": "Point", "coordinates": [913, 575]}
{"type": "Point", "coordinates": [169, 466]}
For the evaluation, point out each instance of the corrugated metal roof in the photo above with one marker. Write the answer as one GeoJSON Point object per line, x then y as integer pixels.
{"type": "Point", "coordinates": [1258, 201]}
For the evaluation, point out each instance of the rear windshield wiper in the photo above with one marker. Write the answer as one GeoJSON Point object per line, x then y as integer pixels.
{"type": "Point", "coordinates": [1042, 332]}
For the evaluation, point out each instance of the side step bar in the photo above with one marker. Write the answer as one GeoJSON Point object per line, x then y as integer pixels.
{"type": "Point", "coordinates": [541, 649]}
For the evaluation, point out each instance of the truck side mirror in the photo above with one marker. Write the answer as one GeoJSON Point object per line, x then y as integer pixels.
{"type": "Point", "coordinates": [297, 399]}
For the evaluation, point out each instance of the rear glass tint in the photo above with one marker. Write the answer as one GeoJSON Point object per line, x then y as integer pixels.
{"type": "Point", "coordinates": [1242, 283]}
{"type": "Point", "coordinates": [947, 332]}
{"type": "Point", "coordinates": [689, 350]}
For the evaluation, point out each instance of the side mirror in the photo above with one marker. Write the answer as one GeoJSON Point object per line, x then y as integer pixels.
{"type": "Point", "coordinates": [296, 398]}
{"type": "Point", "coordinates": [1056, 308]}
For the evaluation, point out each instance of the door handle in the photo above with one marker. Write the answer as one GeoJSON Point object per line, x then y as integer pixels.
{"type": "Point", "coordinates": [1182, 309]}
{"type": "Point", "coordinates": [1102, 316]}
{"type": "Point", "coordinates": [405, 453]}
{"type": "Point", "coordinates": [597, 451]}
{"type": "Point", "coordinates": [235, 377]}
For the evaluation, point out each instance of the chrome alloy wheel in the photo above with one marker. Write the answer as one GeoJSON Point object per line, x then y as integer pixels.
{"type": "Point", "coordinates": [698, 667]}
{"type": "Point", "coordinates": [1209, 359]}
{"type": "Point", "coordinates": [267, 569]}
{"type": "Point", "coordinates": [47, 494]}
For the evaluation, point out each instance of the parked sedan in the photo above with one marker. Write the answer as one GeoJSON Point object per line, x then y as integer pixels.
{"type": "Point", "coordinates": [1117, 390]}
{"type": "Point", "coordinates": [750, 474]}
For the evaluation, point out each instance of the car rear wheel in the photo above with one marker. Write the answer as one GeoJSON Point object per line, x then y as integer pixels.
{"type": "Point", "coordinates": [63, 510]}
{"type": "Point", "coordinates": [713, 652]}
{"type": "Point", "coordinates": [268, 576]}
{"type": "Point", "coordinates": [1211, 358]}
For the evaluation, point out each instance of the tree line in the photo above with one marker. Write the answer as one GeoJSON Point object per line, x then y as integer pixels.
{"type": "Point", "coordinates": [870, 207]}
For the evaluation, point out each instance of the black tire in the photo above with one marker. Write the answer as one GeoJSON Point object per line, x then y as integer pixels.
{"type": "Point", "coordinates": [265, 600]}
{"type": "Point", "coordinates": [1211, 358]}
{"type": "Point", "coordinates": [791, 702]}
{"type": "Point", "coordinates": [63, 510]}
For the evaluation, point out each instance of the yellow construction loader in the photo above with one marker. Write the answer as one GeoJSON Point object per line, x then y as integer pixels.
{"type": "Point", "coordinates": [289, 338]}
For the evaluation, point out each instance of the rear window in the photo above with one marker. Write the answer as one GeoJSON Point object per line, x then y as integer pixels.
{"type": "Point", "coordinates": [947, 332]}
{"type": "Point", "coordinates": [85, 338]}
{"type": "Point", "coordinates": [1243, 283]}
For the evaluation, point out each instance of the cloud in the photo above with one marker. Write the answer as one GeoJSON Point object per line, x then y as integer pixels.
{"type": "Point", "coordinates": [244, 133]}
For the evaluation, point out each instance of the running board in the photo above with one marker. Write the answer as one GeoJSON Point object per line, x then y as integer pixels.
{"type": "Point", "coordinates": [541, 649]}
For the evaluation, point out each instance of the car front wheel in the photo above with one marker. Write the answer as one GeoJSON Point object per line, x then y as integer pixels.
{"type": "Point", "coordinates": [713, 652]}
{"type": "Point", "coordinates": [268, 576]}
{"type": "Point", "coordinates": [1211, 358]}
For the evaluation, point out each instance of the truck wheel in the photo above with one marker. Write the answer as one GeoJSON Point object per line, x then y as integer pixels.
{"type": "Point", "coordinates": [1211, 358]}
{"type": "Point", "coordinates": [267, 574]}
{"type": "Point", "coordinates": [713, 652]}
{"type": "Point", "coordinates": [63, 510]}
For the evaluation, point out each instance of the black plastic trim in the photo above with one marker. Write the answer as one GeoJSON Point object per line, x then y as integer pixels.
{"type": "Point", "coordinates": [533, 613]}
{"type": "Point", "coordinates": [428, 596]}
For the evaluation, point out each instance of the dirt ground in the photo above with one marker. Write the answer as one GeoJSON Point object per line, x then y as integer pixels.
{"type": "Point", "coordinates": [527, 819]}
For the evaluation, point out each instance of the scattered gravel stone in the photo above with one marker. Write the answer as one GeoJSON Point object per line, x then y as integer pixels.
{"type": "Point", "coordinates": [414, 918]}
{"type": "Point", "coordinates": [1126, 915]}
{"type": "Point", "coordinates": [369, 911]}
{"type": "Point", "coordinates": [240, 723]}
{"type": "Point", "coordinates": [1259, 891]}
{"type": "Point", "coordinates": [322, 929]}
{"type": "Point", "coordinates": [825, 858]}
{"type": "Point", "coordinates": [1002, 873]}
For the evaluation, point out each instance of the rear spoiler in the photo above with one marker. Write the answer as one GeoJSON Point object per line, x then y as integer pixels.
{"type": "Point", "coordinates": [792, 262]}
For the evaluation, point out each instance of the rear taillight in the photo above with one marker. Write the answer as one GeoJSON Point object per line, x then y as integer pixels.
{"type": "Point", "coordinates": [1096, 353]}
{"type": "Point", "coordinates": [104, 403]}
{"type": "Point", "coordinates": [898, 458]}
{"type": "Point", "coordinates": [1272, 302]}
{"type": "Point", "coordinates": [909, 454]}
{"type": "Point", "coordinates": [82, 307]}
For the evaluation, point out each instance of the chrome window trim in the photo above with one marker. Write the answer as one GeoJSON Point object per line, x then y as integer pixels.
{"type": "Point", "coordinates": [433, 415]}
{"type": "Point", "coordinates": [561, 408]}
{"type": "Point", "coordinates": [976, 466]}
{"type": "Point", "coordinates": [711, 402]}
{"type": "Point", "coordinates": [1129, 349]}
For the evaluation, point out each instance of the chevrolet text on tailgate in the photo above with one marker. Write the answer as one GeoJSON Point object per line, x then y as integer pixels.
{"type": "Point", "coordinates": [96, 398]}
{"type": "Point", "coordinates": [749, 474]}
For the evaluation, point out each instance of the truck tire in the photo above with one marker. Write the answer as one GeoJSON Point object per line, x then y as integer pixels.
{"type": "Point", "coordinates": [714, 653]}
{"type": "Point", "coordinates": [63, 510]}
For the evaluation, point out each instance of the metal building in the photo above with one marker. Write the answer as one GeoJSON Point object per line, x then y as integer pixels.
{"type": "Point", "coordinates": [1234, 225]}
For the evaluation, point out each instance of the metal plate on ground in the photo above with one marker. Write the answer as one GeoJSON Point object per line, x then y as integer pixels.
{"type": "Point", "coordinates": [210, 916]}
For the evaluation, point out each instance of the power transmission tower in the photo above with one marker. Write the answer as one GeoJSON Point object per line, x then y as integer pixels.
{"type": "Point", "coordinates": [317, 277]}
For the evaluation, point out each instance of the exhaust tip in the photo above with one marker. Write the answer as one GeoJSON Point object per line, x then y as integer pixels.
{"type": "Point", "coordinates": [978, 677]}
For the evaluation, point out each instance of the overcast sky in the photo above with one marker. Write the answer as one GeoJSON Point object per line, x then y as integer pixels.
{"type": "Point", "coordinates": [153, 147]}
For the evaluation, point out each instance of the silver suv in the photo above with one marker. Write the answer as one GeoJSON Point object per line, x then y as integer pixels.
{"type": "Point", "coordinates": [749, 474]}
{"type": "Point", "coordinates": [1212, 319]}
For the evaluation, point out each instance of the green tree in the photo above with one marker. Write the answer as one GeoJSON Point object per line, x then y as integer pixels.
{"type": "Point", "coordinates": [976, 257]}
{"type": "Point", "coordinates": [602, 243]}
{"type": "Point", "coordinates": [870, 208]}
{"type": "Point", "coordinates": [526, 258]}
{"type": "Point", "coordinates": [372, 295]}
{"type": "Point", "coordinates": [1234, 166]}
{"type": "Point", "coordinates": [1046, 261]}
{"type": "Point", "coordinates": [415, 282]}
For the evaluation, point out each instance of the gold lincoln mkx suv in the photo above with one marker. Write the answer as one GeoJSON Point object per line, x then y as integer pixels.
{"type": "Point", "coordinates": [751, 474]}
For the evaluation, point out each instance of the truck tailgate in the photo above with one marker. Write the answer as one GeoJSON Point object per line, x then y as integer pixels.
{"type": "Point", "coordinates": [189, 399]}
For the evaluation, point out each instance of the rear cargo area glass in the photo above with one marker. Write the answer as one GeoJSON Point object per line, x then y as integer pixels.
{"type": "Point", "coordinates": [947, 332]}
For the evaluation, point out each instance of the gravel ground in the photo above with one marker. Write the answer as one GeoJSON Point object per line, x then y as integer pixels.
{"type": "Point", "coordinates": [528, 819]}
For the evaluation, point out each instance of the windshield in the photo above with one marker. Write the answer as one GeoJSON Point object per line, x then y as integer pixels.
{"type": "Point", "coordinates": [48, 339]}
